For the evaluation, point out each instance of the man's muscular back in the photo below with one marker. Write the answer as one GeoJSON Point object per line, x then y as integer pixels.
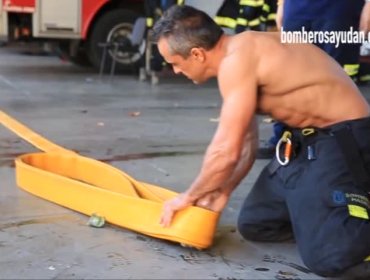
{"type": "Point", "coordinates": [297, 84]}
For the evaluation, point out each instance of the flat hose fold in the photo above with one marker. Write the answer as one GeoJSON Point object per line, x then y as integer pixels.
{"type": "Point", "coordinates": [89, 186]}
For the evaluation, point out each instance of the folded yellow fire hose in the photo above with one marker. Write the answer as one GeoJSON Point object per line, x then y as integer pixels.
{"type": "Point", "coordinates": [90, 186]}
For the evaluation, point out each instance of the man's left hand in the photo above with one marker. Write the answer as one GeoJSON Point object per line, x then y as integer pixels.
{"type": "Point", "coordinates": [173, 205]}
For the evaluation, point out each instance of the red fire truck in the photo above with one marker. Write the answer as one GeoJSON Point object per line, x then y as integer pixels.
{"type": "Point", "coordinates": [79, 28]}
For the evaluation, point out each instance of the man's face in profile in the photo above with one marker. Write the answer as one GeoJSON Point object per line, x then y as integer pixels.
{"type": "Point", "coordinates": [191, 67]}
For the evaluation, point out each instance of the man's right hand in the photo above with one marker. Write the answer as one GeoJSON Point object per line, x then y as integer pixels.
{"type": "Point", "coordinates": [214, 201]}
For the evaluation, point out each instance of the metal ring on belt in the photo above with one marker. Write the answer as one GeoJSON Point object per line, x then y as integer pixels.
{"type": "Point", "coordinates": [288, 148]}
{"type": "Point", "coordinates": [90, 186]}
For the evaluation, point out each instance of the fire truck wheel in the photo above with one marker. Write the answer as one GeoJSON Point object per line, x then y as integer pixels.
{"type": "Point", "coordinates": [111, 34]}
{"type": "Point", "coordinates": [79, 58]}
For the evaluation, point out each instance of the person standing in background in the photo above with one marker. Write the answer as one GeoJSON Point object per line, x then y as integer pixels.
{"type": "Point", "coordinates": [325, 16]}
{"type": "Point", "coordinates": [152, 62]}
{"type": "Point", "coordinates": [242, 15]}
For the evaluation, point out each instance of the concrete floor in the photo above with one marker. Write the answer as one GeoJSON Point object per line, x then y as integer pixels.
{"type": "Point", "coordinates": [163, 145]}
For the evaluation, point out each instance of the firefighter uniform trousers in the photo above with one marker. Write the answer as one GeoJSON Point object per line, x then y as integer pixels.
{"type": "Point", "coordinates": [321, 197]}
{"type": "Point", "coordinates": [250, 13]}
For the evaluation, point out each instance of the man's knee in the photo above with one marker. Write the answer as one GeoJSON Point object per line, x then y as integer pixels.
{"type": "Point", "coordinates": [264, 232]}
{"type": "Point", "coordinates": [249, 231]}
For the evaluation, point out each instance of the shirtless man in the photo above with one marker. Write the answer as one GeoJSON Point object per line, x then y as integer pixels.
{"type": "Point", "coordinates": [314, 194]}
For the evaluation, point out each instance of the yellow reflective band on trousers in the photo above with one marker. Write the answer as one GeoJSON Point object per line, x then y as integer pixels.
{"type": "Point", "coordinates": [254, 22]}
{"type": "Point", "coordinates": [242, 21]}
{"type": "Point", "coordinates": [266, 8]}
{"type": "Point", "coordinates": [225, 21]}
{"type": "Point", "coordinates": [351, 69]}
{"type": "Point", "coordinates": [90, 186]}
{"type": "Point", "coordinates": [251, 3]}
{"type": "Point", "coordinates": [364, 78]}
{"type": "Point", "coordinates": [149, 22]}
{"type": "Point", "coordinates": [271, 17]}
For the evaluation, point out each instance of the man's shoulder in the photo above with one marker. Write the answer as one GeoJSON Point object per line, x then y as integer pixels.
{"type": "Point", "coordinates": [244, 49]}
{"type": "Point", "coordinates": [245, 38]}
{"type": "Point", "coordinates": [240, 62]}
{"type": "Point", "coordinates": [253, 41]}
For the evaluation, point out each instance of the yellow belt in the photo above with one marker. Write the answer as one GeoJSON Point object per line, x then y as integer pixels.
{"type": "Point", "coordinates": [90, 186]}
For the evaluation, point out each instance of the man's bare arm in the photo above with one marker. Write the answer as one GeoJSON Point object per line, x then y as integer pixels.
{"type": "Point", "coordinates": [238, 85]}
{"type": "Point", "coordinates": [239, 91]}
{"type": "Point", "coordinates": [279, 14]}
{"type": "Point", "coordinates": [246, 160]}
{"type": "Point", "coordinates": [365, 18]}
{"type": "Point", "coordinates": [218, 199]}
{"type": "Point", "coordinates": [221, 161]}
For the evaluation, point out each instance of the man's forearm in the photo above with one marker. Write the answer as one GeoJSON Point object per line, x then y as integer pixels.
{"type": "Point", "coordinates": [217, 168]}
{"type": "Point", "coordinates": [220, 172]}
{"type": "Point", "coordinates": [244, 165]}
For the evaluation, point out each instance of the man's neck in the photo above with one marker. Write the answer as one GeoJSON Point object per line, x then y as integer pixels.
{"type": "Point", "coordinates": [216, 54]}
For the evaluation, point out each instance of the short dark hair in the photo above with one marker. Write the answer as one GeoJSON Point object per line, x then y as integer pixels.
{"type": "Point", "coordinates": [186, 27]}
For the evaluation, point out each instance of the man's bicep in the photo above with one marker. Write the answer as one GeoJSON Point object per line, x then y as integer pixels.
{"type": "Point", "coordinates": [237, 113]}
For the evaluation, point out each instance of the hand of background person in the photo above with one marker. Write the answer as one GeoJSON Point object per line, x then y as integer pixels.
{"type": "Point", "coordinates": [279, 16]}
{"type": "Point", "coordinates": [365, 18]}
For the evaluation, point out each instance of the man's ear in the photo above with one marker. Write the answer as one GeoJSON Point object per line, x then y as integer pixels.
{"type": "Point", "coordinates": [198, 54]}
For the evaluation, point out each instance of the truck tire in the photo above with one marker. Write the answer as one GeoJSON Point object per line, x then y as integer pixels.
{"type": "Point", "coordinates": [79, 59]}
{"type": "Point", "coordinates": [115, 27]}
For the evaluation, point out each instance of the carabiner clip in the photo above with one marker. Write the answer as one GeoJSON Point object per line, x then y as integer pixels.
{"type": "Point", "coordinates": [288, 148]}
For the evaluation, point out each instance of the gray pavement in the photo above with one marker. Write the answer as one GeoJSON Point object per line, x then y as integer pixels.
{"type": "Point", "coordinates": [157, 134]}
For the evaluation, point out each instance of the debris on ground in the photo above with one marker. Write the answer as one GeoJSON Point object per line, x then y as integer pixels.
{"type": "Point", "coordinates": [96, 221]}
{"type": "Point", "coordinates": [135, 114]}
